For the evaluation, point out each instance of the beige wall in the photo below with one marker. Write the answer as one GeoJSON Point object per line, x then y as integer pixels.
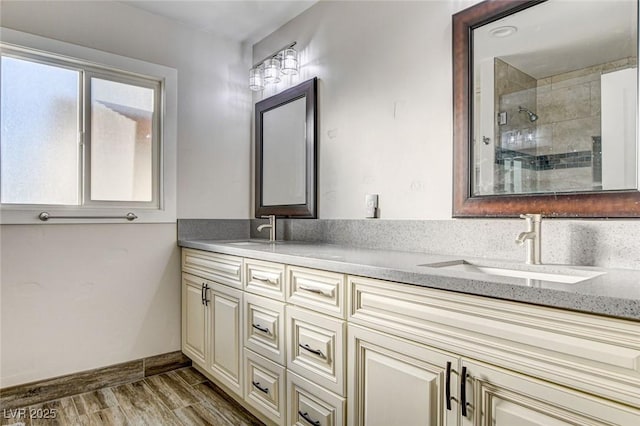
{"type": "Point", "coordinates": [76, 297]}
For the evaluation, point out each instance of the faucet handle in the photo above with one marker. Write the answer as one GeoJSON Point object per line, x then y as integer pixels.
{"type": "Point", "coordinates": [536, 217]}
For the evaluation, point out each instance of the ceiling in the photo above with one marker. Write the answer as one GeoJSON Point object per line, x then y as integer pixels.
{"type": "Point", "coordinates": [243, 21]}
{"type": "Point", "coordinates": [560, 36]}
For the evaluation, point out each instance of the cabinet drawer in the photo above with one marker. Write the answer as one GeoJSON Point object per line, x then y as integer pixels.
{"type": "Point", "coordinates": [264, 327]}
{"type": "Point", "coordinates": [318, 290]}
{"type": "Point", "coordinates": [264, 278]}
{"type": "Point", "coordinates": [309, 404]}
{"type": "Point", "coordinates": [593, 354]}
{"type": "Point", "coordinates": [316, 346]}
{"type": "Point", "coordinates": [217, 267]}
{"type": "Point", "coordinates": [265, 387]}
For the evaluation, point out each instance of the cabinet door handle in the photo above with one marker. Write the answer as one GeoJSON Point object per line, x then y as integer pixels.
{"type": "Point", "coordinates": [463, 392]}
{"type": "Point", "coordinates": [202, 293]}
{"type": "Point", "coordinates": [259, 328]}
{"type": "Point", "coordinates": [316, 290]}
{"type": "Point", "coordinates": [305, 416]}
{"type": "Point", "coordinates": [260, 388]}
{"type": "Point", "coordinates": [447, 386]}
{"type": "Point", "coordinates": [264, 278]}
{"type": "Point", "coordinates": [206, 301]}
{"type": "Point", "coordinates": [313, 351]}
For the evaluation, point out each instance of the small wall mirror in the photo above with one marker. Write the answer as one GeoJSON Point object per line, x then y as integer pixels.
{"type": "Point", "coordinates": [285, 138]}
{"type": "Point", "coordinates": [546, 109]}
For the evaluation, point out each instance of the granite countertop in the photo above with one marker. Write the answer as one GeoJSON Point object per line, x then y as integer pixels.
{"type": "Point", "coordinates": [613, 292]}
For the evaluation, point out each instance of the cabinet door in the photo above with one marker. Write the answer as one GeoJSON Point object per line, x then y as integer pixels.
{"type": "Point", "coordinates": [194, 322]}
{"type": "Point", "coordinates": [397, 382]}
{"type": "Point", "coordinates": [499, 397]}
{"type": "Point", "coordinates": [225, 324]}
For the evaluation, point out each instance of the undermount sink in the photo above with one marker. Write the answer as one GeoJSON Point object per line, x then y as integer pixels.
{"type": "Point", "coordinates": [553, 273]}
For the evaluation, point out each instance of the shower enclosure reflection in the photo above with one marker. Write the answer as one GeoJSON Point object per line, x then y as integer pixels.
{"type": "Point", "coordinates": [555, 101]}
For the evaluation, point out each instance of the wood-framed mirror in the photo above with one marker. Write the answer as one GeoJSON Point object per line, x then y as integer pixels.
{"type": "Point", "coordinates": [546, 110]}
{"type": "Point", "coordinates": [285, 150]}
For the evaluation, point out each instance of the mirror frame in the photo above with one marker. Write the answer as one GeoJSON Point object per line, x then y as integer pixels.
{"type": "Point", "coordinates": [308, 90]}
{"type": "Point", "coordinates": [624, 203]}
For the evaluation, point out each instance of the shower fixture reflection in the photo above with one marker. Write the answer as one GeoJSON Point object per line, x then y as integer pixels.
{"type": "Point", "coordinates": [532, 116]}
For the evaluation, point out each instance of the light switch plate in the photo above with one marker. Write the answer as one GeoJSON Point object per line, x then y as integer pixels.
{"type": "Point", "coordinates": [371, 205]}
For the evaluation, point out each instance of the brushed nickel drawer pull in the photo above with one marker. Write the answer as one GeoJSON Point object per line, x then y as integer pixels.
{"type": "Point", "coordinates": [260, 388]}
{"type": "Point", "coordinates": [313, 351]}
{"type": "Point", "coordinates": [259, 328]}
{"type": "Point", "coordinates": [316, 290]}
{"type": "Point", "coordinates": [265, 278]}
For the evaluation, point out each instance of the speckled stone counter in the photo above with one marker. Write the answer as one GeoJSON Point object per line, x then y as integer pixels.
{"type": "Point", "coordinates": [614, 292]}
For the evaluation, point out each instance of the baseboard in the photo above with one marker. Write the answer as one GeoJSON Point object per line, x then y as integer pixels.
{"type": "Point", "coordinates": [85, 381]}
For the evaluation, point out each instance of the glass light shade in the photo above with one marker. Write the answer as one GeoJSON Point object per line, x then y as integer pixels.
{"type": "Point", "coordinates": [272, 71]}
{"type": "Point", "coordinates": [290, 61]}
{"type": "Point", "coordinates": [256, 79]}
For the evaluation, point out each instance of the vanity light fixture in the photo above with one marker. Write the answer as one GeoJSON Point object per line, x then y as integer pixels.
{"type": "Point", "coordinates": [256, 78]}
{"type": "Point", "coordinates": [271, 70]}
{"type": "Point", "coordinates": [268, 71]}
{"type": "Point", "coordinates": [290, 61]}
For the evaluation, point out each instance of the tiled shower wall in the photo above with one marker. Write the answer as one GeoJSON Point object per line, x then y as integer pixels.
{"type": "Point", "coordinates": [514, 89]}
{"type": "Point", "coordinates": [564, 148]}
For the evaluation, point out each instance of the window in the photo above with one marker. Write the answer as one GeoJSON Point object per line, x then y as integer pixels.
{"type": "Point", "coordinates": [80, 137]}
{"type": "Point", "coordinates": [76, 136]}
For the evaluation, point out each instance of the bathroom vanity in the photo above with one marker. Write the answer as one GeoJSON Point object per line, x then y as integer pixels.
{"type": "Point", "coordinates": [317, 334]}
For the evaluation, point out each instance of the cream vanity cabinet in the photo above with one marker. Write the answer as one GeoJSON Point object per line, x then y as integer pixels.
{"type": "Point", "coordinates": [265, 339]}
{"type": "Point", "coordinates": [316, 348]}
{"type": "Point", "coordinates": [294, 349]}
{"type": "Point", "coordinates": [419, 356]}
{"type": "Point", "coordinates": [212, 315]}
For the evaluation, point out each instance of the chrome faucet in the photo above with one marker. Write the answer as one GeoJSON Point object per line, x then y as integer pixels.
{"type": "Point", "coordinates": [271, 226]}
{"type": "Point", "coordinates": [532, 237]}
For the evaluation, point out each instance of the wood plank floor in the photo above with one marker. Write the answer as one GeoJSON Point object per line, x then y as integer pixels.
{"type": "Point", "coordinates": [179, 397]}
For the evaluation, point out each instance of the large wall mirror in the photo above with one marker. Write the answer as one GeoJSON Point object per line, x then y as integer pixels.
{"type": "Point", "coordinates": [546, 109]}
{"type": "Point", "coordinates": [285, 141]}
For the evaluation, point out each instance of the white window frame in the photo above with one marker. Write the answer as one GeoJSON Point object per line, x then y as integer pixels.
{"type": "Point", "coordinates": [115, 68]}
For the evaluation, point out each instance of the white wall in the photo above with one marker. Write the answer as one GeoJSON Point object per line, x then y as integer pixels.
{"type": "Point", "coordinates": [76, 297]}
{"type": "Point", "coordinates": [213, 100]}
{"type": "Point", "coordinates": [385, 103]}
